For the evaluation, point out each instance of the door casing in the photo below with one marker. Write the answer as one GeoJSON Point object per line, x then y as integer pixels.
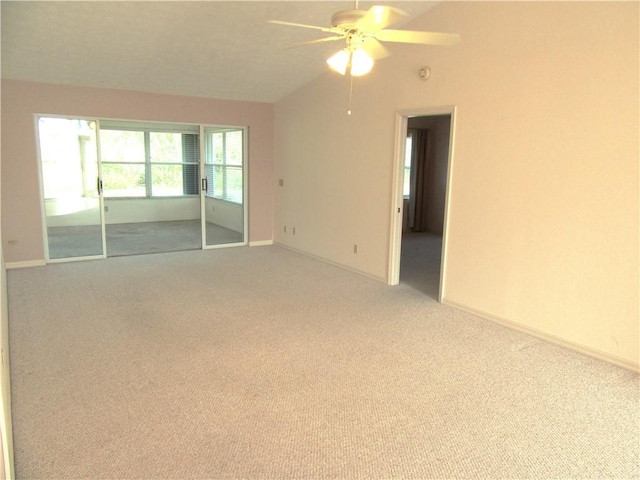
{"type": "Point", "coordinates": [395, 235]}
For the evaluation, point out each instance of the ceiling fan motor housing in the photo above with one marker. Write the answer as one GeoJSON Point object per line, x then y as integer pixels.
{"type": "Point", "coordinates": [347, 19]}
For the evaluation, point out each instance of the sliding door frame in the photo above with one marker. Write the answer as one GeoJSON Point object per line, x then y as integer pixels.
{"type": "Point", "coordinates": [43, 206]}
{"type": "Point", "coordinates": [202, 127]}
{"type": "Point", "coordinates": [245, 186]}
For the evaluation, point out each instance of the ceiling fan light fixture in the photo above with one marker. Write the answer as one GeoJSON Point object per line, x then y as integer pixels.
{"type": "Point", "coordinates": [357, 62]}
{"type": "Point", "coordinates": [340, 61]}
{"type": "Point", "coordinates": [361, 63]}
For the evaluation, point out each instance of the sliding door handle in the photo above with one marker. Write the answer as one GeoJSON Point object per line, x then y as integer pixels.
{"type": "Point", "coordinates": [99, 186]}
{"type": "Point", "coordinates": [205, 184]}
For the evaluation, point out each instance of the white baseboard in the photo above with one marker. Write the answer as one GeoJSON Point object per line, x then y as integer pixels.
{"type": "Point", "coordinates": [549, 337]}
{"type": "Point", "coordinates": [335, 264]}
{"type": "Point", "coordinates": [261, 243]}
{"type": "Point", "coordinates": [28, 264]}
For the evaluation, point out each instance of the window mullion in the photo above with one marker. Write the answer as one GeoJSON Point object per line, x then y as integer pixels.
{"type": "Point", "coordinates": [224, 163]}
{"type": "Point", "coordinates": [148, 181]}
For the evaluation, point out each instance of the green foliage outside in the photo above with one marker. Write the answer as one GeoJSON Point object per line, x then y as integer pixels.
{"type": "Point", "coordinates": [127, 178]}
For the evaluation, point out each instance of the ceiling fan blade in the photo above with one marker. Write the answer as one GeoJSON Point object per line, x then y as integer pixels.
{"type": "Point", "coordinates": [375, 49]}
{"type": "Point", "coordinates": [426, 38]}
{"type": "Point", "coordinates": [379, 17]}
{"type": "Point", "coordinates": [319, 40]}
{"type": "Point", "coordinates": [280, 22]}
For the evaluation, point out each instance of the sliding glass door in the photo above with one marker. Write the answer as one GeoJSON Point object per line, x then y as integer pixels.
{"type": "Point", "coordinates": [70, 172]}
{"type": "Point", "coordinates": [113, 188]}
{"type": "Point", "coordinates": [151, 175]}
{"type": "Point", "coordinates": [224, 186]}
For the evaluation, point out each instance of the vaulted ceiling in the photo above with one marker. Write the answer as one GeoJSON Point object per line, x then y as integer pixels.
{"type": "Point", "coordinates": [222, 49]}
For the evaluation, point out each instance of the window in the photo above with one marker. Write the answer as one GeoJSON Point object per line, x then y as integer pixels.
{"type": "Point", "coordinates": [408, 157]}
{"type": "Point", "coordinates": [224, 164]}
{"type": "Point", "coordinates": [149, 161]}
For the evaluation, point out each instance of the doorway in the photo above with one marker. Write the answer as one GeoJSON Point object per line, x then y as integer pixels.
{"type": "Point", "coordinates": [113, 188]}
{"type": "Point", "coordinates": [423, 158]}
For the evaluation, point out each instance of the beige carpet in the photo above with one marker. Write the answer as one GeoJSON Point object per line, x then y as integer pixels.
{"type": "Point", "coordinates": [261, 363]}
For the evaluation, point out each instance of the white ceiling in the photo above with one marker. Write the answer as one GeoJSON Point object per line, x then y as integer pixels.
{"type": "Point", "coordinates": [223, 49]}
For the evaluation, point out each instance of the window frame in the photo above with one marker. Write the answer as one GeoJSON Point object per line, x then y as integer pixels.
{"type": "Point", "coordinates": [147, 128]}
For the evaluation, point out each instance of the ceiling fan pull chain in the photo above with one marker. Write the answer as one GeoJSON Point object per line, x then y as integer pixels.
{"type": "Point", "coordinates": [350, 94]}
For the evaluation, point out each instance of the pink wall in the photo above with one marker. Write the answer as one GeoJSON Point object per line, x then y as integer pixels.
{"type": "Point", "coordinates": [21, 211]}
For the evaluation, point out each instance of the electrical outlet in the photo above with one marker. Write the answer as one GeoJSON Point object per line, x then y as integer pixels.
{"type": "Point", "coordinates": [12, 243]}
{"type": "Point", "coordinates": [355, 248]}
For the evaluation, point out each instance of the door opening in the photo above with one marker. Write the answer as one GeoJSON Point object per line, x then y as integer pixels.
{"type": "Point", "coordinates": [112, 188]}
{"type": "Point", "coordinates": [424, 147]}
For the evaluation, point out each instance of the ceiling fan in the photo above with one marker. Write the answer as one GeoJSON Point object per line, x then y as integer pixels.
{"type": "Point", "coordinates": [363, 31]}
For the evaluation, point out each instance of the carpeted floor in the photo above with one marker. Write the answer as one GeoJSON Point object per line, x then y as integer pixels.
{"type": "Point", "coordinates": [420, 262]}
{"type": "Point", "coordinates": [262, 363]}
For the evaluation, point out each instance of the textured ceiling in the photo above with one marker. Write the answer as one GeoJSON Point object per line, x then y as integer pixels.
{"type": "Point", "coordinates": [223, 49]}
